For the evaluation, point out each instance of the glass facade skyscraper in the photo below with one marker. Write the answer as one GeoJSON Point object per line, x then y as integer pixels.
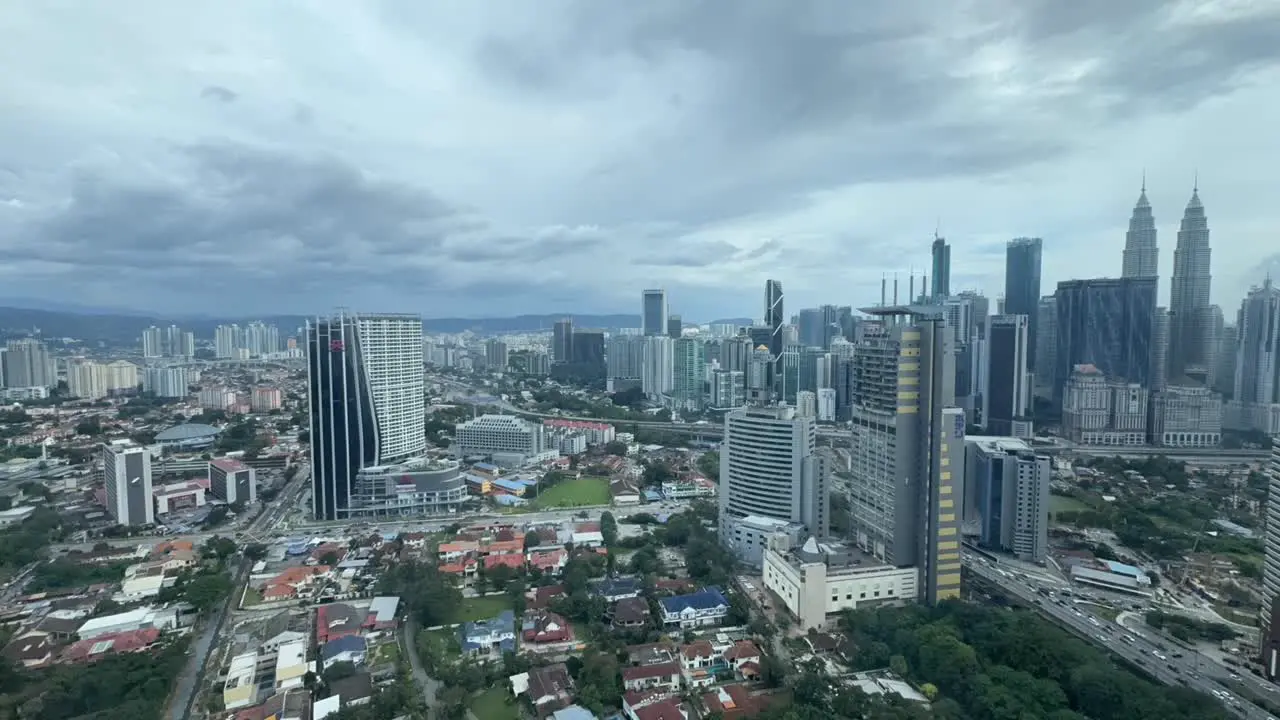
{"type": "Point", "coordinates": [1022, 284]}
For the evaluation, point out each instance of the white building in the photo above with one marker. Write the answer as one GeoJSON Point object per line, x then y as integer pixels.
{"type": "Point", "coordinates": [807, 404]}
{"type": "Point", "coordinates": [817, 579]}
{"type": "Point", "coordinates": [217, 398]}
{"type": "Point", "coordinates": [1187, 417]}
{"type": "Point", "coordinates": [1255, 401]}
{"type": "Point", "coordinates": [126, 476]}
{"type": "Point", "coordinates": [1098, 411]}
{"type": "Point", "coordinates": [658, 375]}
{"type": "Point", "coordinates": [749, 536]}
{"type": "Point", "coordinates": [509, 440]}
{"type": "Point", "coordinates": [166, 382]}
{"type": "Point", "coordinates": [240, 689]}
{"type": "Point", "coordinates": [768, 468]}
{"type": "Point", "coordinates": [728, 388]}
{"type": "Point", "coordinates": [1007, 495]}
{"type": "Point", "coordinates": [291, 665]}
{"type": "Point", "coordinates": [826, 404]}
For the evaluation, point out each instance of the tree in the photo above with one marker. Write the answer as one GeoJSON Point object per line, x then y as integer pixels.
{"type": "Point", "coordinates": [608, 528]}
{"type": "Point", "coordinates": [616, 447]}
{"type": "Point", "coordinates": [255, 551]}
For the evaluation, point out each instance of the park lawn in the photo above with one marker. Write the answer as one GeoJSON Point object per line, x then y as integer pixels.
{"type": "Point", "coordinates": [1062, 503]}
{"type": "Point", "coordinates": [482, 608]}
{"type": "Point", "coordinates": [495, 704]}
{"type": "Point", "coordinates": [388, 652]}
{"type": "Point", "coordinates": [575, 493]}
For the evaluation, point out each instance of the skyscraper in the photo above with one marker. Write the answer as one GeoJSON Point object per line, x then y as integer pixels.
{"type": "Point", "coordinates": [941, 268]}
{"type": "Point", "coordinates": [1007, 492]}
{"type": "Point", "coordinates": [768, 468]}
{"type": "Point", "coordinates": [1046, 342]}
{"type": "Point", "coordinates": [1022, 284]}
{"type": "Point", "coordinates": [626, 361]}
{"type": "Point", "coordinates": [1255, 403]}
{"type": "Point", "coordinates": [653, 312]}
{"type": "Point", "coordinates": [1109, 323]}
{"type": "Point", "coordinates": [27, 364]}
{"type": "Point", "coordinates": [675, 326]}
{"type": "Point", "coordinates": [687, 374]}
{"type": "Point", "coordinates": [659, 363]}
{"type": "Point", "coordinates": [907, 446]}
{"type": "Point", "coordinates": [1141, 253]}
{"type": "Point", "coordinates": [774, 320]}
{"type": "Point", "coordinates": [1270, 611]}
{"type": "Point", "coordinates": [562, 341]}
{"type": "Point", "coordinates": [126, 477]}
{"type": "Point", "coordinates": [366, 392]}
{"type": "Point", "coordinates": [1189, 314]}
{"type": "Point", "coordinates": [1008, 393]}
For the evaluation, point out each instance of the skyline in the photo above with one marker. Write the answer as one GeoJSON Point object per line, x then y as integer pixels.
{"type": "Point", "coordinates": [468, 162]}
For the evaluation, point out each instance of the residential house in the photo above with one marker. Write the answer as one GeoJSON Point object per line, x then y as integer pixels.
{"type": "Point", "coordinates": [487, 636]}
{"type": "Point", "coordinates": [574, 712]}
{"type": "Point", "coordinates": [336, 620]}
{"type": "Point", "coordinates": [665, 676]}
{"type": "Point", "coordinates": [668, 709]}
{"type": "Point", "coordinates": [104, 645]}
{"type": "Point", "coordinates": [700, 662]}
{"type": "Point", "coordinates": [629, 613]}
{"type": "Point", "coordinates": [550, 562]}
{"type": "Point", "coordinates": [240, 689]}
{"type": "Point", "coordinates": [291, 665]}
{"type": "Point", "coordinates": [333, 552]}
{"type": "Point", "coordinates": [613, 589]}
{"type": "Point", "coordinates": [652, 654]}
{"type": "Point", "coordinates": [633, 700]}
{"type": "Point", "coordinates": [540, 597]}
{"type": "Point", "coordinates": [415, 540]}
{"type": "Point", "coordinates": [550, 688]}
{"type": "Point", "coordinates": [515, 561]}
{"type": "Point", "coordinates": [382, 613]}
{"type": "Point", "coordinates": [291, 704]}
{"type": "Point", "coordinates": [31, 651]}
{"type": "Point", "coordinates": [279, 629]}
{"type": "Point", "coordinates": [347, 648]}
{"type": "Point", "coordinates": [454, 551]}
{"type": "Point", "coordinates": [59, 628]}
{"type": "Point", "coordinates": [733, 702]}
{"type": "Point", "coordinates": [293, 581]}
{"type": "Point", "coordinates": [706, 607]}
{"type": "Point", "coordinates": [353, 690]}
{"type": "Point", "coordinates": [543, 627]}
{"type": "Point", "coordinates": [744, 659]}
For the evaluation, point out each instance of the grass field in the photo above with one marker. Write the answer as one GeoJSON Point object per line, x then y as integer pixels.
{"type": "Point", "coordinates": [482, 608]}
{"type": "Point", "coordinates": [251, 597]}
{"type": "Point", "coordinates": [1062, 503]}
{"type": "Point", "coordinates": [492, 704]}
{"type": "Point", "coordinates": [574, 493]}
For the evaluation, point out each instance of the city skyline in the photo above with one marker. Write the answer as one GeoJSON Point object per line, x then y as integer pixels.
{"type": "Point", "coordinates": [309, 196]}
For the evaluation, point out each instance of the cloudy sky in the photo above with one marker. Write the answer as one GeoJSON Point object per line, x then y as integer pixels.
{"type": "Point", "coordinates": [506, 156]}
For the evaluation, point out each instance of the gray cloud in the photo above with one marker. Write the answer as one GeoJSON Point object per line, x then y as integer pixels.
{"type": "Point", "coordinates": [219, 93]}
{"type": "Point", "coordinates": [559, 158]}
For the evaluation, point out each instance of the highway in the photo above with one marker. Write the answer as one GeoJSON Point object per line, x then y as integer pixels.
{"type": "Point", "coordinates": [1167, 663]}
{"type": "Point", "coordinates": [716, 429]}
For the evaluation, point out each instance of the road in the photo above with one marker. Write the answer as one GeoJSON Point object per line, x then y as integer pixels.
{"type": "Point", "coordinates": [1191, 670]}
{"type": "Point", "coordinates": [188, 684]}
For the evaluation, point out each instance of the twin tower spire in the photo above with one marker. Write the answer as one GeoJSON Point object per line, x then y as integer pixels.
{"type": "Point", "coordinates": [1141, 249]}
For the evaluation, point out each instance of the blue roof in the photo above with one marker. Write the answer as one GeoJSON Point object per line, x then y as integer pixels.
{"type": "Point", "coordinates": [705, 599]}
{"type": "Point", "coordinates": [1122, 569]}
{"type": "Point", "coordinates": [510, 485]}
{"type": "Point", "coordinates": [187, 431]}
{"type": "Point", "coordinates": [485, 466]}
{"type": "Point", "coordinates": [346, 643]}
{"type": "Point", "coordinates": [508, 500]}
{"type": "Point", "coordinates": [652, 495]}
{"type": "Point", "coordinates": [504, 622]}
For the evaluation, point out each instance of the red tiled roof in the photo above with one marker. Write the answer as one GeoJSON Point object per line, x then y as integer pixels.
{"type": "Point", "coordinates": [650, 671]}
{"type": "Point", "coordinates": [103, 645]}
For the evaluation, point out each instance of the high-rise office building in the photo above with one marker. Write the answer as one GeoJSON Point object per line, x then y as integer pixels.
{"type": "Point", "coordinates": [232, 481]}
{"type": "Point", "coordinates": [27, 365]}
{"type": "Point", "coordinates": [774, 320]}
{"type": "Point", "coordinates": [1022, 284]}
{"type": "Point", "coordinates": [653, 312]}
{"type": "Point", "coordinates": [809, 327]}
{"type": "Point", "coordinates": [728, 389]}
{"type": "Point", "coordinates": [126, 477]}
{"type": "Point", "coordinates": [1141, 252]}
{"type": "Point", "coordinates": [1046, 342]}
{"type": "Point", "coordinates": [1008, 391]}
{"type": "Point", "coordinates": [1255, 403]}
{"type": "Point", "coordinates": [562, 341]}
{"type": "Point", "coordinates": [769, 469]}
{"type": "Point", "coordinates": [1224, 374]}
{"type": "Point", "coordinates": [1108, 323]}
{"type": "Point", "coordinates": [675, 326]}
{"type": "Point", "coordinates": [688, 374]}
{"type": "Point", "coordinates": [1270, 607]}
{"type": "Point", "coordinates": [367, 401]}
{"type": "Point", "coordinates": [659, 366]}
{"type": "Point", "coordinates": [941, 268]}
{"type": "Point", "coordinates": [496, 355]}
{"type": "Point", "coordinates": [1190, 318]}
{"type": "Point", "coordinates": [1186, 416]}
{"type": "Point", "coordinates": [1101, 411]}
{"type": "Point", "coordinates": [1159, 372]}
{"type": "Point", "coordinates": [625, 358]}
{"type": "Point", "coordinates": [587, 354]}
{"type": "Point", "coordinates": [1008, 486]}
{"type": "Point", "coordinates": [907, 446]}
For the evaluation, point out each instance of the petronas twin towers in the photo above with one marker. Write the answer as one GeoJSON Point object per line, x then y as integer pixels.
{"type": "Point", "coordinates": [1191, 317]}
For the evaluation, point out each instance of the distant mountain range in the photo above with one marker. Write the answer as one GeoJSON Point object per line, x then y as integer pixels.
{"type": "Point", "coordinates": [93, 325]}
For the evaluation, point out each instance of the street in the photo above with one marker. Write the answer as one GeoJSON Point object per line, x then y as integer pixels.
{"type": "Point", "coordinates": [1141, 648]}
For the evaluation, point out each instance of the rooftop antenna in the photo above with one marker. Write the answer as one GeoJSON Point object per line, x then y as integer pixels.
{"type": "Point", "coordinates": [1144, 180]}
{"type": "Point", "coordinates": [1195, 184]}
{"type": "Point", "coordinates": [911, 285]}
{"type": "Point", "coordinates": [882, 290]}
{"type": "Point", "coordinates": [895, 288]}
{"type": "Point", "coordinates": [937, 228]}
